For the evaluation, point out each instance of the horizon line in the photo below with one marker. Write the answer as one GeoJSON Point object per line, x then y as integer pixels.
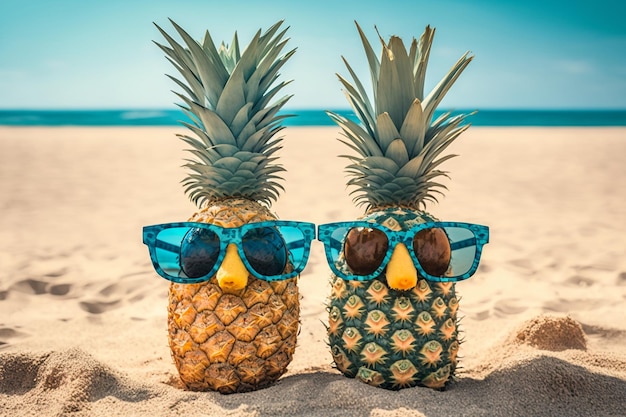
{"type": "Point", "coordinates": [316, 109]}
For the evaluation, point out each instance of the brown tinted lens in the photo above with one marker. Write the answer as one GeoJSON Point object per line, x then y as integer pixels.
{"type": "Point", "coordinates": [365, 249]}
{"type": "Point", "coordinates": [432, 249]}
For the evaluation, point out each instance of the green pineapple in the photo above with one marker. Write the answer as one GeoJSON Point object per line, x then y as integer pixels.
{"type": "Point", "coordinates": [234, 332]}
{"type": "Point", "coordinates": [397, 330]}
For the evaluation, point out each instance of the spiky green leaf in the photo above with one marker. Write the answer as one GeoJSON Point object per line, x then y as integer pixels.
{"type": "Point", "coordinates": [397, 152]}
{"type": "Point", "coordinates": [372, 59]}
{"type": "Point", "coordinates": [396, 148]}
{"type": "Point", "coordinates": [386, 132]}
{"type": "Point", "coordinates": [228, 96]}
{"type": "Point", "coordinates": [413, 128]}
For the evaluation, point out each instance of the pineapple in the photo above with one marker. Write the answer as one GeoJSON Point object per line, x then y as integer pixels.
{"type": "Point", "coordinates": [397, 330]}
{"type": "Point", "coordinates": [233, 333]}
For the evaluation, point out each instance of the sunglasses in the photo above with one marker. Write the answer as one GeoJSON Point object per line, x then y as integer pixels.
{"type": "Point", "coordinates": [441, 251]}
{"type": "Point", "coordinates": [189, 253]}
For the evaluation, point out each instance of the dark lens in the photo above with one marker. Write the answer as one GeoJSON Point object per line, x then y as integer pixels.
{"type": "Point", "coordinates": [265, 250]}
{"type": "Point", "coordinates": [365, 249]}
{"type": "Point", "coordinates": [199, 251]}
{"type": "Point", "coordinates": [432, 249]}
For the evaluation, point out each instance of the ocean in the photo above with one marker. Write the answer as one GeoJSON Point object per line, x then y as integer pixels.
{"type": "Point", "coordinates": [303, 117]}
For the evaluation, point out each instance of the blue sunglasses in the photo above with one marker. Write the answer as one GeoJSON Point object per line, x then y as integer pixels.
{"type": "Point", "coordinates": [189, 252]}
{"type": "Point", "coordinates": [361, 250]}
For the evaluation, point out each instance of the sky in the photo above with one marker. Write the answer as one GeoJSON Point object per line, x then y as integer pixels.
{"type": "Point", "coordinates": [77, 54]}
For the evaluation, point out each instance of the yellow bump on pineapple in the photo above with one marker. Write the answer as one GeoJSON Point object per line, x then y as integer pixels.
{"type": "Point", "coordinates": [401, 273]}
{"type": "Point", "coordinates": [232, 275]}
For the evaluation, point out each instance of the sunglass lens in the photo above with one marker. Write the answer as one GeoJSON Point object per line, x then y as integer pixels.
{"type": "Point", "coordinates": [199, 251]}
{"type": "Point", "coordinates": [463, 245]}
{"type": "Point", "coordinates": [365, 249]}
{"type": "Point", "coordinates": [432, 248]}
{"type": "Point", "coordinates": [265, 250]}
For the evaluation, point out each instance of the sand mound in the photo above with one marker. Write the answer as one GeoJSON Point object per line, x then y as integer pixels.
{"type": "Point", "coordinates": [546, 385]}
{"type": "Point", "coordinates": [74, 383]}
{"type": "Point", "coordinates": [552, 333]}
{"type": "Point", "coordinates": [68, 380]}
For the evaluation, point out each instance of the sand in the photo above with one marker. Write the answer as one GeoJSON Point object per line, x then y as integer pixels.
{"type": "Point", "coordinates": [83, 314]}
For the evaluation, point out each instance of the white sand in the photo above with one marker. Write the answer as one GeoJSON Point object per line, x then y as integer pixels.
{"type": "Point", "coordinates": [83, 315]}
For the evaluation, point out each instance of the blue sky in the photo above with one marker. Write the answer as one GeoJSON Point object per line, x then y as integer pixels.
{"type": "Point", "coordinates": [72, 54]}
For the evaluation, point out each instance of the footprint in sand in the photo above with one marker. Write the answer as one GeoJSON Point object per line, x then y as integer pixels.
{"type": "Point", "coordinates": [30, 286]}
{"type": "Point", "coordinates": [37, 287]}
{"type": "Point", "coordinates": [522, 263]}
{"type": "Point", "coordinates": [98, 307]}
{"type": "Point", "coordinates": [478, 310]}
{"type": "Point", "coordinates": [579, 281]}
{"type": "Point", "coordinates": [128, 289]}
{"type": "Point", "coordinates": [508, 307]}
{"type": "Point", "coordinates": [617, 336]}
{"type": "Point", "coordinates": [566, 306]}
{"type": "Point", "coordinates": [60, 289]}
{"type": "Point", "coordinates": [8, 335]}
{"type": "Point", "coordinates": [479, 316]}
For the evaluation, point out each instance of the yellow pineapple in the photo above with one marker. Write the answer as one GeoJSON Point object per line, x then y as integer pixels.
{"type": "Point", "coordinates": [393, 305]}
{"type": "Point", "coordinates": [231, 328]}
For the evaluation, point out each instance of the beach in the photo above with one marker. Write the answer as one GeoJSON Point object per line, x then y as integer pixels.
{"type": "Point", "coordinates": [83, 319]}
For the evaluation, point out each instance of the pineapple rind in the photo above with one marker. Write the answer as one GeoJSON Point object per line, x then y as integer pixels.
{"type": "Point", "coordinates": [233, 342]}
{"type": "Point", "coordinates": [399, 339]}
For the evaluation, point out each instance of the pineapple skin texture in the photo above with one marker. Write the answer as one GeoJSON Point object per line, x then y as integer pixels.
{"type": "Point", "coordinates": [394, 339]}
{"type": "Point", "coordinates": [233, 342]}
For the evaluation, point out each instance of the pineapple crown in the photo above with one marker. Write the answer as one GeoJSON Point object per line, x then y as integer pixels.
{"type": "Point", "coordinates": [397, 147]}
{"type": "Point", "coordinates": [228, 96]}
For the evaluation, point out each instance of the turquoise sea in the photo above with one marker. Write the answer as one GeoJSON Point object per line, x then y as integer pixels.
{"type": "Point", "coordinates": [302, 117]}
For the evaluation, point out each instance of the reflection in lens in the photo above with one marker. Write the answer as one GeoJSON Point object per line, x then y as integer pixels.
{"type": "Point", "coordinates": [432, 249]}
{"type": "Point", "coordinates": [365, 249]}
{"type": "Point", "coordinates": [199, 251]}
{"type": "Point", "coordinates": [265, 251]}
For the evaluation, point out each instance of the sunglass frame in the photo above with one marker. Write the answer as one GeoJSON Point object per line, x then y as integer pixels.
{"type": "Point", "coordinates": [227, 236]}
{"type": "Point", "coordinates": [325, 231]}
